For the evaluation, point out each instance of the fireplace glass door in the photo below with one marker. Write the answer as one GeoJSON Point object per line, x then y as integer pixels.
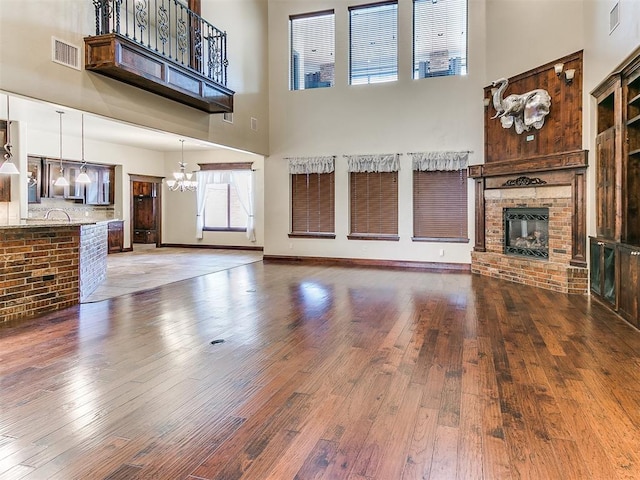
{"type": "Point", "coordinates": [526, 232]}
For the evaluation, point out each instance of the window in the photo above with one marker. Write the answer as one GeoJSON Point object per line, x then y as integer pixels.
{"type": "Point", "coordinates": [225, 198]}
{"type": "Point", "coordinates": [312, 197]}
{"type": "Point", "coordinates": [222, 207]}
{"type": "Point", "coordinates": [373, 181]}
{"type": "Point", "coordinates": [312, 50]}
{"type": "Point", "coordinates": [373, 54]}
{"type": "Point", "coordinates": [440, 197]}
{"type": "Point", "coordinates": [439, 38]}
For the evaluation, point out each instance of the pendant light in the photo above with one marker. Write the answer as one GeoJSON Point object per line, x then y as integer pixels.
{"type": "Point", "coordinates": [7, 167]}
{"type": "Point", "coordinates": [61, 181]}
{"type": "Point", "coordinates": [82, 176]}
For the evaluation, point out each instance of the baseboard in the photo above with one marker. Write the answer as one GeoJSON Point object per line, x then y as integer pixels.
{"type": "Point", "coordinates": [363, 262]}
{"type": "Point", "coordinates": [213, 247]}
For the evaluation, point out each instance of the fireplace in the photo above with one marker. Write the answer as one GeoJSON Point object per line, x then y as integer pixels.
{"type": "Point", "coordinates": [526, 232]}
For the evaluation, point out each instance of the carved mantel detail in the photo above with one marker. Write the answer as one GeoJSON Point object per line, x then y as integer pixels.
{"type": "Point", "coordinates": [523, 181]}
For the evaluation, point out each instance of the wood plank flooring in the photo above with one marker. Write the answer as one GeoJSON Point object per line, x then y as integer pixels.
{"type": "Point", "coordinates": [324, 373]}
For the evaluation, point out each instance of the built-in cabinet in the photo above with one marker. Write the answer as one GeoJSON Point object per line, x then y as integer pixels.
{"type": "Point", "coordinates": [603, 270]}
{"type": "Point", "coordinates": [145, 212]}
{"type": "Point", "coordinates": [615, 251]}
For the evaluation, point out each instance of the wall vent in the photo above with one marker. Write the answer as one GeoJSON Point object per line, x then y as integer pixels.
{"type": "Point", "coordinates": [227, 117]}
{"type": "Point", "coordinates": [254, 124]}
{"type": "Point", "coordinates": [65, 53]}
{"type": "Point", "coordinates": [614, 17]}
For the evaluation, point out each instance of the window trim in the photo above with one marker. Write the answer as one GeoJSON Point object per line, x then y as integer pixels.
{"type": "Point", "coordinates": [309, 234]}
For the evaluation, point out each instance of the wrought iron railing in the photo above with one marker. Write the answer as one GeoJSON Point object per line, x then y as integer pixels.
{"type": "Point", "coordinates": [168, 28]}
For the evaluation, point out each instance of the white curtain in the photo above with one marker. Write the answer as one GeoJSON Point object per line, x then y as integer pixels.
{"type": "Point", "coordinates": [306, 165]}
{"type": "Point", "coordinates": [242, 182]}
{"type": "Point", "coordinates": [440, 161]}
{"type": "Point", "coordinates": [203, 177]}
{"type": "Point", "coordinates": [388, 162]}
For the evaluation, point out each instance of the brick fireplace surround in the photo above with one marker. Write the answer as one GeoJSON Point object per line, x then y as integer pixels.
{"type": "Point", "coordinates": [555, 182]}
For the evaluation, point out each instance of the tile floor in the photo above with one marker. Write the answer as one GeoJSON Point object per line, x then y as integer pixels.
{"type": "Point", "coordinates": [148, 267]}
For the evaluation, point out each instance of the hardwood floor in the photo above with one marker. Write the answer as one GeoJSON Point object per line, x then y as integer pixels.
{"type": "Point", "coordinates": [324, 373]}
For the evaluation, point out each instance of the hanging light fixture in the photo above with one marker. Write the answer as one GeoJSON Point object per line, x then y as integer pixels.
{"type": "Point", "coordinates": [82, 176]}
{"type": "Point", "coordinates": [61, 181]}
{"type": "Point", "coordinates": [182, 181]}
{"type": "Point", "coordinates": [7, 167]}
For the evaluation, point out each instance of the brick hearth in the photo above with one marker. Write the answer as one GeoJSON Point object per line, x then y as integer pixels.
{"type": "Point", "coordinates": [556, 273]}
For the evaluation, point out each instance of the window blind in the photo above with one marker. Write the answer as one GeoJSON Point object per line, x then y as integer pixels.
{"type": "Point", "coordinates": [373, 50]}
{"type": "Point", "coordinates": [440, 205]}
{"type": "Point", "coordinates": [439, 38]}
{"type": "Point", "coordinates": [312, 50]}
{"type": "Point", "coordinates": [312, 203]}
{"type": "Point", "coordinates": [374, 204]}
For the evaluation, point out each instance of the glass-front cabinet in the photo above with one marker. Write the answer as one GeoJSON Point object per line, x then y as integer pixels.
{"type": "Point", "coordinates": [45, 171]}
{"type": "Point", "coordinates": [603, 270]}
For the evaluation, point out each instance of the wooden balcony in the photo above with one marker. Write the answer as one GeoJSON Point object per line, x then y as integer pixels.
{"type": "Point", "coordinates": [170, 51]}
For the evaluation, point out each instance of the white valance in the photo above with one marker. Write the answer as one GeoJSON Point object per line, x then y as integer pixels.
{"type": "Point", "coordinates": [440, 161]}
{"type": "Point", "coordinates": [388, 162]}
{"type": "Point", "coordinates": [304, 165]}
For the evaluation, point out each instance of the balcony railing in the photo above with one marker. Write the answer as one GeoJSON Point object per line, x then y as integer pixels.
{"type": "Point", "coordinates": [167, 27]}
{"type": "Point", "coordinates": [164, 47]}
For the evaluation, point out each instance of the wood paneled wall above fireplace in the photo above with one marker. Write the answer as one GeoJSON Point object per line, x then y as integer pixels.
{"type": "Point", "coordinates": [562, 129]}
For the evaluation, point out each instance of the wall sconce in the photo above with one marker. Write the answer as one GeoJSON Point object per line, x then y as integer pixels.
{"type": "Point", "coordinates": [568, 76]}
{"type": "Point", "coordinates": [486, 101]}
{"type": "Point", "coordinates": [558, 68]}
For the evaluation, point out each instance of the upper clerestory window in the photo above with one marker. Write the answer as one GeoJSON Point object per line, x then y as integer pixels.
{"type": "Point", "coordinates": [312, 50]}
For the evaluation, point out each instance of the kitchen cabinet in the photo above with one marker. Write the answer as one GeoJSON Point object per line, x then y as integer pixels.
{"type": "Point", "coordinates": [115, 236]}
{"type": "Point", "coordinates": [99, 192]}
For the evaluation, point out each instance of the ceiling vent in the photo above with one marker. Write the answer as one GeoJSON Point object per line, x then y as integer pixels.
{"type": "Point", "coordinates": [64, 53]}
{"type": "Point", "coordinates": [614, 17]}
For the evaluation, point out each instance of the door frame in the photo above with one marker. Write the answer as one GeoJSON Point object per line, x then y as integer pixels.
{"type": "Point", "coordinates": [157, 201]}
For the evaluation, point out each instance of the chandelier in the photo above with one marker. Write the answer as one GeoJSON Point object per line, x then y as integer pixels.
{"type": "Point", "coordinates": [182, 181]}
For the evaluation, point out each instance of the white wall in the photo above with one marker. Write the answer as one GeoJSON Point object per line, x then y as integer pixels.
{"type": "Point", "coordinates": [399, 117]}
{"type": "Point", "coordinates": [26, 28]}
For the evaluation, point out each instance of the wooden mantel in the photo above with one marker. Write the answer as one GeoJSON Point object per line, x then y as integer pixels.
{"type": "Point", "coordinates": [118, 57]}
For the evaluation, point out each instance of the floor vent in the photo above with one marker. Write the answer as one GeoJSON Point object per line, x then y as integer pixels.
{"type": "Point", "coordinates": [64, 53]}
{"type": "Point", "coordinates": [614, 17]}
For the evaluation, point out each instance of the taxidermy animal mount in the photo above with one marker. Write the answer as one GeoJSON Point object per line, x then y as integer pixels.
{"type": "Point", "coordinates": [522, 110]}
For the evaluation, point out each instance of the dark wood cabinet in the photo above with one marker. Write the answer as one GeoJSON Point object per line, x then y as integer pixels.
{"type": "Point", "coordinates": [615, 253]}
{"type": "Point", "coordinates": [629, 294]}
{"type": "Point", "coordinates": [145, 205]}
{"type": "Point", "coordinates": [115, 236]}
{"type": "Point", "coordinates": [603, 270]}
{"type": "Point", "coordinates": [99, 192]}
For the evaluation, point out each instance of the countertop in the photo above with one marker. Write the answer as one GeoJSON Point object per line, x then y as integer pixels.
{"type": "Point", "coordinates": [42, 223]}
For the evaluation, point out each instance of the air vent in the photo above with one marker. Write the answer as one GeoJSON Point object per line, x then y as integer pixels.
{"type": "Point", "coordinates": [254, 124]}
{"type": "Point", "coordinates": [614, 17]}
{"type": "Point", "coordinates": [227, 117]}
{"type": "Point", "coordinates": [64, 53]}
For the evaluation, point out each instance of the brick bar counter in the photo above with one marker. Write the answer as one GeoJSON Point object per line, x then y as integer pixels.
{"type": "Point", "coordinates": [47, 266]}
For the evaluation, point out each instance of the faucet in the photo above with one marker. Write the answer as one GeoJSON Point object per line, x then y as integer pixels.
{"type": "Point", "coordinates": [46, 215]}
